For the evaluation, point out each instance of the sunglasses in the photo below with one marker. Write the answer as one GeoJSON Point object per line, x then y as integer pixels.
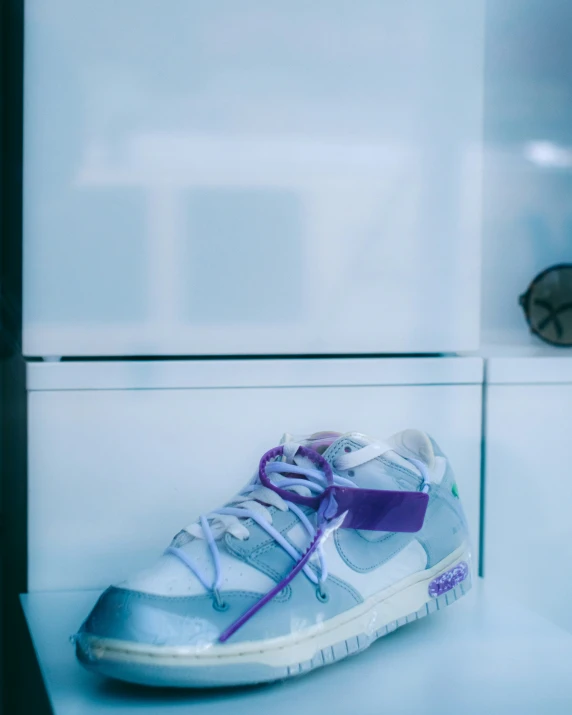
{"type": "Point", "coordinates": [547, 305]}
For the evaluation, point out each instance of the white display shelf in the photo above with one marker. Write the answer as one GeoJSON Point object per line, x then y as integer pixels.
{"type": "Point", "coordinates": [302, 372]}
{"type": "Point", "coordinates": [522, 358]}
{"type": "Point", "coordinates": [520, 343]}
{"type": "Point", "coordinates": [484, 654]}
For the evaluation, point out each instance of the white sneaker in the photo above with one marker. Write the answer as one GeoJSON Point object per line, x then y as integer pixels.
{"type": "Point", "coordinates": [337, 541]}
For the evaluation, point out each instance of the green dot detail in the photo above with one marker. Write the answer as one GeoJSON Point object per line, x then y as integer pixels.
{"type": "Point", "coordinates": [455, 490]}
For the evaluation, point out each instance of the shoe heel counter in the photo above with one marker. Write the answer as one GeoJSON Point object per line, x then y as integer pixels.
{"type": "Point", "coordinates": [445, 527]}
{"type": "Point", "coordinates": [448, 490]}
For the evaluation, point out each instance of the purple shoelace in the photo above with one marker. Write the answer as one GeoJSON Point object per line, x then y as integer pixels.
{"type": "Point", "coordinates": [337, 505]}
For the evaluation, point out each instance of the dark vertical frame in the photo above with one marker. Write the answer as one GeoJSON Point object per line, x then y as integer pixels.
{"type": "Point", "coordinates": [21, 686]}
{"type": "Point", "coordinates": [12, 384]}
{"type": "Point", "coordinates": [11, 116]}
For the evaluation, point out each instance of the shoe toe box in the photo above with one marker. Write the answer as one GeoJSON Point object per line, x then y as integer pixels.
{"type": "Point", "coordinates": [127, 615]}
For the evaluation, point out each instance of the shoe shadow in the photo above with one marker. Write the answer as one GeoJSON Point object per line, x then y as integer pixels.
{"type": "Point", "coordinates": [147, 694]}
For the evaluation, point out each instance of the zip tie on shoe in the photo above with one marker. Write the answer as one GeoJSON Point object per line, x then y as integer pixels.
{"type": "Point", "coordinates": [337, 507]}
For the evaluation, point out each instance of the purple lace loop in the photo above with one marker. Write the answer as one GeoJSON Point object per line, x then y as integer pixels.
{"type": "Point", "coordinates": [315, 457]}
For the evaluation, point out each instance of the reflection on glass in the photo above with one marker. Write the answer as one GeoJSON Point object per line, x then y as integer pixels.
{"type": "Point", "coordinates": [192, 148]}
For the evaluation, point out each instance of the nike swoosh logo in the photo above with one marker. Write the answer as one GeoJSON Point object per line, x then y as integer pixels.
{"type": "Point", "coordinates": [362, 554]}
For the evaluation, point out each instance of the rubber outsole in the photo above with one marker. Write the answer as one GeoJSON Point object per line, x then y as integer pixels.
{"type": "Point", "coordinates": [252, 673]}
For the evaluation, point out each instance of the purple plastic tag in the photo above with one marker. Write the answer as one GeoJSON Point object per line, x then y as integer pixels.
{"type": "Point", "coordinates": [378, 510]}
{"type": "Point", "coordinates": [368, 509]}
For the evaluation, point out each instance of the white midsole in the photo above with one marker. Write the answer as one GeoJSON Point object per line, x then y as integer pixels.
{"type": "Point", "coordinates": [397, 601]}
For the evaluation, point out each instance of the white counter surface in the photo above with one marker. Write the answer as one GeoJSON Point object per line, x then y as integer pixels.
{"type": "Point", "coordinates": [484, 654]}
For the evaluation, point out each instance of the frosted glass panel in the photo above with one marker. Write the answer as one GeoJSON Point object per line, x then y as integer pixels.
{"type": "Point", "coordinates": [527, 220]}
{"type": "Point", "coordinates": [252, 177]}
{"type": "Point", "coordinates": [144, 459]}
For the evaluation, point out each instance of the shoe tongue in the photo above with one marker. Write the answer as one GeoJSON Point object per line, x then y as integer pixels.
{"type": "Point", "coordinates": [319, 441]}
{"type": "Point", "coordinates": [392, 471]}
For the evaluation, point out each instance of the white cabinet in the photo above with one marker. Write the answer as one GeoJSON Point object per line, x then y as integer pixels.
{"type": "Point", "coordinates": [124, 454]}
{"type": "Point", "coordinates": [251, 177]}
{"type": "Point", "coordinates": [528, 526]}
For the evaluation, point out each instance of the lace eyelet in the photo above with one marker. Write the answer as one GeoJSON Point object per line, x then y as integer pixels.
{"type": "Point", "coordinates": [351, 473]}
{"type": "Point", "coordinates": [221, 606]}
{"type": "Point", "coordinates": [322, 596]}
{"type": "Point", "coordinates": [347, 449]}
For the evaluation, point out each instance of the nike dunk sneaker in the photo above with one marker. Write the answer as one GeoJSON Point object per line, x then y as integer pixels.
{"type": "Point", "coordinates": [336, 541]}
